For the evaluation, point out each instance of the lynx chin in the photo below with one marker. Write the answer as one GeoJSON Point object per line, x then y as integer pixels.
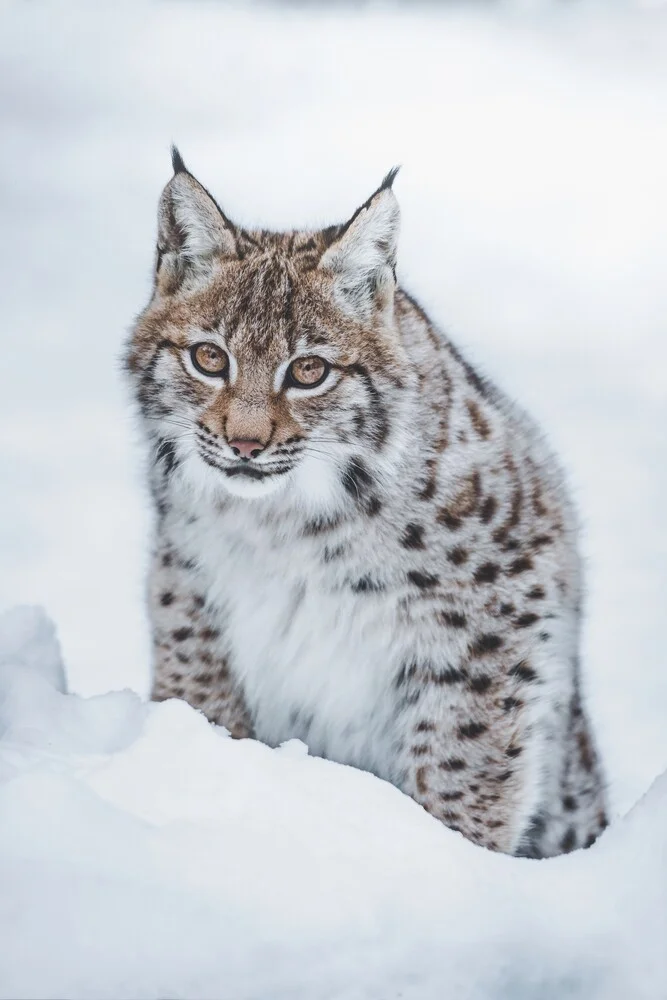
{"type": "Point", "coordinates": [359, 541]}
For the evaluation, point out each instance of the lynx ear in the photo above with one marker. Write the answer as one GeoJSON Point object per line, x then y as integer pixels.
{"type": "Point", "coordinates": [363, 255]}
{"type": "Point", "coordinates": [192, 229]}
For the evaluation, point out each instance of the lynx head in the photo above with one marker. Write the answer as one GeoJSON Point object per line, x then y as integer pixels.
{"type": "Point", "coordinates": [272, 360]}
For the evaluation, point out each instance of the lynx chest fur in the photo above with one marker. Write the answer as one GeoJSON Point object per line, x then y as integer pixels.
{"type": "Point", "coordinates": [359, 542]}
{"type": "Point", "coordinates": [311, 657]}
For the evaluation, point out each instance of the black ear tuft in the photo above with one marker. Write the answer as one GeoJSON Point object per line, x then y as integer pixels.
{"type": "Point", "coordinates": [177, 161]}
{"type": "Point", "coordinates": [389, 179]}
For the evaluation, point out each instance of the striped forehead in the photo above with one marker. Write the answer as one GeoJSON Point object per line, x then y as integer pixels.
{"type": "Point", "coordinates": [259, 310]}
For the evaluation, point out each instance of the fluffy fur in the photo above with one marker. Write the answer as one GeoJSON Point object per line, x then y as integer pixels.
{"type": "Point", "coordinates": [393, 576]}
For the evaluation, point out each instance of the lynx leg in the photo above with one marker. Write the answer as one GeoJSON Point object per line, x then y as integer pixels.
{"type": "Point", "coordinates": [188, 647]}
{"type": "Point", "coordinates": [578, 815]}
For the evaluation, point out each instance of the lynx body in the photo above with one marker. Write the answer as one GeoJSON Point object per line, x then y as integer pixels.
{"type": "Point", "coordinates": [359, 541]}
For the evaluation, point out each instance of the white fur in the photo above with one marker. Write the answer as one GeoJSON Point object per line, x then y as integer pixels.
{"type": "Point", "coordinates": [363, 259]}
{"type": "Point", "coordinates": [299, 648]}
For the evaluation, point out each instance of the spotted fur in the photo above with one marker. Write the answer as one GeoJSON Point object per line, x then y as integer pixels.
{"type": "Point", "coordinates": [392, 576]}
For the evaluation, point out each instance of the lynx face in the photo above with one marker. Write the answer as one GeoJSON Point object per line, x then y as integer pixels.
{"type": "Point", "coordinates": [268, 360]}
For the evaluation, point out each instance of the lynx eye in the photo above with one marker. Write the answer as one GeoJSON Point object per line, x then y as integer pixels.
{"type": "Point", "coordinates": [209, 359]}
{"type": "Point", "coordinates": [307, 372]}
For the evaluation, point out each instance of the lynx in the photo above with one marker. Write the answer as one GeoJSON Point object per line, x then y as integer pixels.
{"type": "Point", "coordinates": [360, 542]}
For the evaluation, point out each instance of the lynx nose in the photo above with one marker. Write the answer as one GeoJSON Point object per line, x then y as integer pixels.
{"type": "Point", "coordinates": [246, 450]}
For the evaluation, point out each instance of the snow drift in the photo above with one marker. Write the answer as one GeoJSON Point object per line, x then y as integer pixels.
{"type": "Point", "coordinates": [146, 854]}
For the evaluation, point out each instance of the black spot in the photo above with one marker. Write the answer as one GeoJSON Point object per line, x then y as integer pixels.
{"type": "Point", "coordinates": [199, 601]}
{"type": "Point", "coordinates": [488, 509]}
{"type": "Point", "coordinates": [449, 676]}
{"type": "Point", "coordinates": [507, 609]}
{"type": "Point", "coordinates": [536, 594]}
{"type": "Point", "coordinates": [405, 674]}
{"type": "Point", "coordinates": [486, 643]}
{"type": "Point", "coordinates": [451, 796]}
{"type": "Point", "coordinates": [590, 840]}
{"type": "Point", "coordinates": [181, 634]}
{"type": "Point", "coordinates": [425, 726]}
{"type": "Point", "coordinates": [511, 703]}
{"type": "Point", "coordinates": [420, 750]}
{"type": "Point", "coordinates": [182, 658]}
{"type": "Point", "coordinates": [449, 817]}
{"type": "Point", "coordinates": [457, 555]}
{"type": "Point", "coordinates": [504, 776]}
{"type": "Point", "coordinates": [356, 478]}
{"type": "Point", "coordinates": [480, 684]}
{"type": "Point", "coordinates": [373, 506]}
{"type": "Point", "coordinates": [423, 580]}
{"type": "Point", "coordinates": [586, 755]}
{"type": "Point", "coordinates": [413, 537]}
{"type": "Point", "coordinates": [427, 492]}
{"type": "Point", "coordinates": [545, 636]}
{"type": "Point", "coordinates": [166, 453]}
{"type": "Point", "coordinates": [335, 553]}
{"type": "Point", "coordinates": [569, 840]}
{"type": "Point", "coordinates": [540, 540]}
{"type": "Point", "coordinates": [523, 671]}
{"type": "Point", "coordinates": [523, 621]}
{"type": "Point", "coordinates": [520, 565]}
{"type": "Point", "coordinates": [471, 730]}
{"type": "Point", "coordinates": [569, 803]}
{"type": "Point", "coordinates": [453, 764]}
{"type": "Point", "coordinates": [486, 573]}
{"type": "Point", "coordinates": [367, 585]}
{"type": "Point", "coordinates": [478, 420]}
{"type": "Point", "coordinates": [449, 520]}
{"type": "Point", "coordinates": [513, 751]}
{"type": "Point", "coordinates": [453, 618]}
{"type": "Point", "coordinates": [166, 598]}
{"type": "Point", "coordinates": [530, 847]}
{"type": "Point", "coordinates": [319, 526]}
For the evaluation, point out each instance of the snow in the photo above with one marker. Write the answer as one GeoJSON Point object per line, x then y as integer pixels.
{"type": "Point", "coordinates": [146, 854]}
{"type": "Point", "coordinates": [143, 853]}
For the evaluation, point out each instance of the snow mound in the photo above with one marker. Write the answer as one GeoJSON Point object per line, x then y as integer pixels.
{"type": "Point", "coordinates": [145, 854]}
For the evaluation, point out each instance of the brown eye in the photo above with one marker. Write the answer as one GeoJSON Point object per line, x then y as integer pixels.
{"type": "Point", "coordinates": [209, 359]}
{"type": "Point", "coordinates": [307, 372]}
